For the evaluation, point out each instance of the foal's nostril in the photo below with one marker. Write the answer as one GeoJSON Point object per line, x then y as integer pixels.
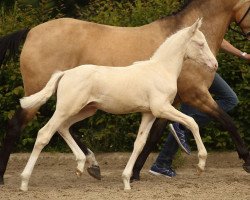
{"type": "Point", "coordinates": [216, 66]}
{"type": "Point", "coordinates": [214, 63]}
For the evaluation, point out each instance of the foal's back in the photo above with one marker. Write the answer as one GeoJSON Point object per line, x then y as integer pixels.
{"type": "Point", "coordinates": [116, 90]}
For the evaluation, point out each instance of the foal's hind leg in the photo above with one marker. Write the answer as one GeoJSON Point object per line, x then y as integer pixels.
{"type": "Point", "coordinates": [146, 124]}
{"type": "Point", "coordinates": [169, 112]}
{"type": "Point", "coordinates": [93, 169]}
{"type": "Point", "coordinates": [15, 126]}
{"type": "Point", "coordinates": [43, 137]}
{"type": "Point", "coordinates": [80, 156]}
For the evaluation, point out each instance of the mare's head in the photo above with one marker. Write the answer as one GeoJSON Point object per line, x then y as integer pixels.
{"type": "Point", "coordinates": [198, 49]}
{"type": "Point", "coordinates": [242, 16]}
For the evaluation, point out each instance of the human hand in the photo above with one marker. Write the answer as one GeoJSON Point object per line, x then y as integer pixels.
{"type": "Point", "coordinates": [246, 57]}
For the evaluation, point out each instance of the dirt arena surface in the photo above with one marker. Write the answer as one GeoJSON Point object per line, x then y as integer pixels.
{"type": "Point", "coordinates": [54, 178]}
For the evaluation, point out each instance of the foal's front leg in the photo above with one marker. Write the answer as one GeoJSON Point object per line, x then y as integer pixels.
{"type": "Point", "coordinates": [167, 111]}
{"type": "Point", "coordinates": [145, 126]}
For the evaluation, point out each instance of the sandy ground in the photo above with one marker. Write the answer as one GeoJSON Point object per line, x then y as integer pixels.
{"type": "Point", "coordinates": [54, 178]}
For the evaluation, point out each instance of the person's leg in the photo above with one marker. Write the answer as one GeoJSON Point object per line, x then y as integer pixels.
{"type": "Point", "coordinates": [166, 155]}
{"type": "Point", "coordinates": [162, 165]}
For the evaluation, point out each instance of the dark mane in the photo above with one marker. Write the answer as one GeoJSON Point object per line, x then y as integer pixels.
{"type": "Point", "coordinates": [183, 6]}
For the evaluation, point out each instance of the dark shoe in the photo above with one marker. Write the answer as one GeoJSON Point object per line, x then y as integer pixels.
{"type": "Point", "coordinates": [180, 136]}
{"type": "Point", "coordinates": [166, 171]}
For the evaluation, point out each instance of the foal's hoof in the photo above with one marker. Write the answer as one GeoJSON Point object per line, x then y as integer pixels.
{"type": "Point", "coordinates": [23, 189]}
{"type": "Point", "coordinates": [134, 177]}
{"type": "Point", "coordinates": [246, 167]}
{"type": "Point", "coordinates": [94, 171]}
{"type": "Point", "coordinates": [127, 188]}
{"type": "Point", "coordinates": [199, 171]}
{"type": "Point", "coordinates": [78, 172]}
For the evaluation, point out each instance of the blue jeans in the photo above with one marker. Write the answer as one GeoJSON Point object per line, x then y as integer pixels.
{"type": "Point", "coordinates": [225, 98]}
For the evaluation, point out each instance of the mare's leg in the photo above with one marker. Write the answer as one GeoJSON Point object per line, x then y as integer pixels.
{"type": "Point", "coordinates": [205, 103]}
{"type": "Point", "coordinates": [93, 169]}
{"type": "Point", "coordinates": [156, 132]}
{"type": "Point", "coordinates": [224, 96]}
{"type": "Point", "coordinates": [43, 137]}
{"type": "Point", "coordinates": [169, 112]}
{"type": "Point", "coordinates": [145, 126]}
{"type": "Point", "coordinates": [15, 126]}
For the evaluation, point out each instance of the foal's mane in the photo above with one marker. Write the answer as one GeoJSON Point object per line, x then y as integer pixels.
{"type": "Point", "coordinates": [169, 41]}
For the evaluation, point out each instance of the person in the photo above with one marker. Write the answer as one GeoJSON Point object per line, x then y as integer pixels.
{"type": "Point", "coordinates": [226, 99]}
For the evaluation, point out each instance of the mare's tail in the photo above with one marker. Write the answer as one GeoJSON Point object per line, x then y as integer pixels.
{"type": "Point", "coordinates": [9, 44]}
{"type": "Point", "coordinates": [40, 98]}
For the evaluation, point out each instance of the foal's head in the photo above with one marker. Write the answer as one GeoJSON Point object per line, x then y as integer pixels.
{"type": "Point", "coordinates": [198, 49]}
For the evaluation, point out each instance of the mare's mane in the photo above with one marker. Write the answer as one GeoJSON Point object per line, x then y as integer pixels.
{"type": "Point", "coordinates": [182, 7]}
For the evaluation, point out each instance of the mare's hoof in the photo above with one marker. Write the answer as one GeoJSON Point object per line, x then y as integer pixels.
{"type": "Point", "coordinates": [134, 177]}
{"type": "Point", "coordinates": [94, 171]}
{"type": "Point", "coordinates": [1, 181]}
{"type": "Point", "coordinates": [246, 167]}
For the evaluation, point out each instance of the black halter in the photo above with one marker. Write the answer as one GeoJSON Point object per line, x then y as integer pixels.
{"type": "Point", "coordinates": [238, 24]}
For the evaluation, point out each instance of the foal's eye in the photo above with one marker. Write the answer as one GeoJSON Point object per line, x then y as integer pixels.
{"type": "Point", "coordinates": [201, 44]}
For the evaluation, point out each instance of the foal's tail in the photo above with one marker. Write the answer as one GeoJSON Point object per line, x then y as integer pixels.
{"type": "Point", "coordinates": [9, 44]}
{"type": "Point", "coordinates": [40, 98]}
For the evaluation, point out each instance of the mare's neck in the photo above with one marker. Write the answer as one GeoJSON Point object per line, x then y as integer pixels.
{"type": "Point", "coordinates": [171, 53]}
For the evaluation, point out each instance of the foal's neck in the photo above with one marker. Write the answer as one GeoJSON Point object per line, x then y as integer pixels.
{"type": "Point", "coordinates": [172, 51]}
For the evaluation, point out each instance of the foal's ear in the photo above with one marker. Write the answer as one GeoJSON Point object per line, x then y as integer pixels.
{"type": "Point", "coordinates": [195, 26]}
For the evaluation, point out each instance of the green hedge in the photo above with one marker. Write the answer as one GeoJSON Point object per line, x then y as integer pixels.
{"type": "Point", "coordinates": [106, 132]}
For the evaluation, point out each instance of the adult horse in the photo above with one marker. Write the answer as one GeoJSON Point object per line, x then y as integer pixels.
{"type": "Point", "coordinates": [74, 42]}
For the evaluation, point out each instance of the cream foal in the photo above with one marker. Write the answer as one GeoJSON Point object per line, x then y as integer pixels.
{"type": "Point", "coordinates": [148, 87]}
